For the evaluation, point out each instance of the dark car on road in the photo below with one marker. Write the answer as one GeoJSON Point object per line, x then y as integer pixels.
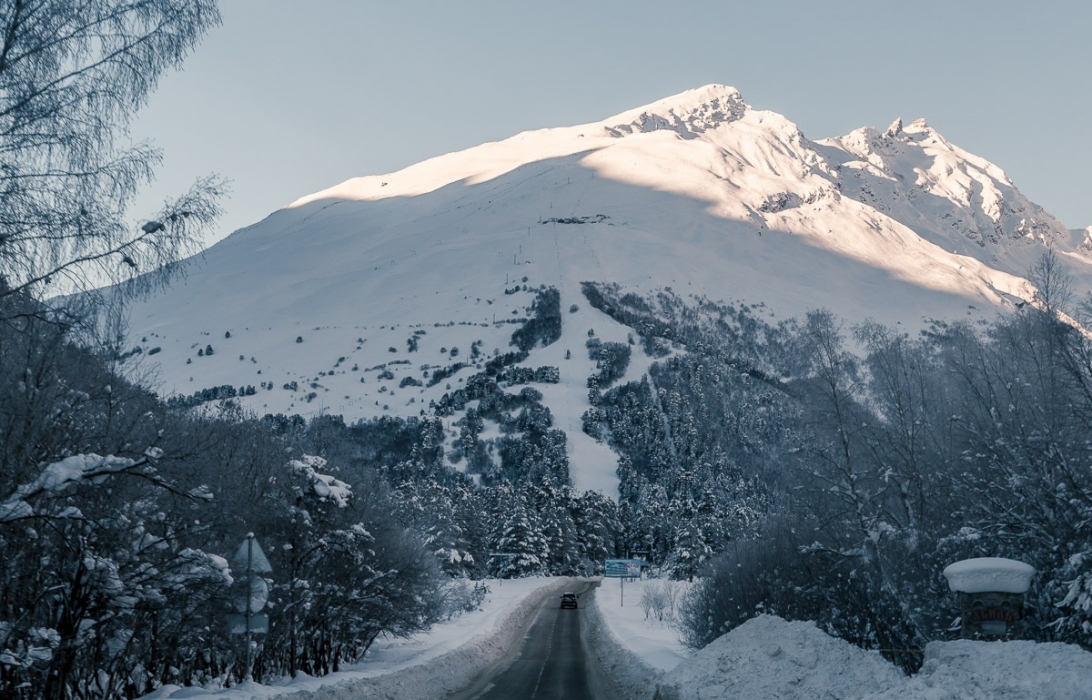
{"type": "Point", "coordinates": [568, 600]}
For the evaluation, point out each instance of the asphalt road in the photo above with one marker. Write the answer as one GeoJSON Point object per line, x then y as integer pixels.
{"type": "Point", "coordinates": [553, 662]}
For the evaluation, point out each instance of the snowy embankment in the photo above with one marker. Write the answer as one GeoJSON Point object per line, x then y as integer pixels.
{"type": "Point", "coordinates": [634, 649]}
{"type": "Point", "coordinates": [770, 658]}
{"type": "Point", "coordinates": [423, 667]}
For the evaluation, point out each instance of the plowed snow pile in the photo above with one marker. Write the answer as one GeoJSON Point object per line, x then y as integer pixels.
{"type": "Point", "coordinates": [966, 670]}
{"type": "Point", "coordinates": [769, 658]}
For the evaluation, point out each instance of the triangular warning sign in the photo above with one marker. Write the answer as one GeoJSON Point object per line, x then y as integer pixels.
{"type": "Point", "coordinates": [250, 550]}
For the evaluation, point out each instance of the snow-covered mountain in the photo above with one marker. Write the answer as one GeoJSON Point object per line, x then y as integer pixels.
{"type": "Point", "coordinates": [350, 296]}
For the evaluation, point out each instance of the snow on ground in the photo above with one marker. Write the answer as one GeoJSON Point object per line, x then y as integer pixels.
{"type": "Point", "coordinates": [654, 641]}
{"type": "Point", "coordinates": [425, 666]}
{"type": "Point", "coordinates": [771, 658]}
{"type": "Point", "coordinates": [593, 465]}
{"type": "Point", "coordinates": [628, 673]}
{"type": "Point", "coordinates": [768, 657]}
{"type": "Point", "coordinates": [996, 671]}
{"type": "Point", "coordinates": [765, 658]}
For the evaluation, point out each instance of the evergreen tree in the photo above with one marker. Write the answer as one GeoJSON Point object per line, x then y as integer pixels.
{"type": "Point", "coordinates": [518, 547]}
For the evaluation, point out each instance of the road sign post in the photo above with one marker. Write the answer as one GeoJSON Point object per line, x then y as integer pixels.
{"type": "Point", "coordinates": [622, 569]}
{"type": "Point", "coordinates": [251, 620]}
{"type": "Point", "coordinates": [259, 623]}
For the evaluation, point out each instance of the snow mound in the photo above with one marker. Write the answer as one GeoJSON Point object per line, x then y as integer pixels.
{"type": "Point", "coordinates": [989, 574]}
{"type": "Point", "coordinates": [768, 657]}
{"type": "Point", "coordinates": [969, 670]}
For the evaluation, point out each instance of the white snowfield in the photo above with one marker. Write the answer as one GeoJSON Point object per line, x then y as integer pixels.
{"type": "Point", "coordinates": [349, 300]}
{"type": "Point", "coordinates": [699, 192]}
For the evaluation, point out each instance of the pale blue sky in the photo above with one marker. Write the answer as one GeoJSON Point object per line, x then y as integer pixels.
{"type": "Point", "coordinates": [290, 97]}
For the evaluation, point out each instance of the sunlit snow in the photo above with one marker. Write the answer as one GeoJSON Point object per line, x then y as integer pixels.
{"type": "Point", "coordinates": [314, 307]}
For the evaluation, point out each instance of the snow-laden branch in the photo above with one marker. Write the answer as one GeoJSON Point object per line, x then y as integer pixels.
{"type": "Point", "coordinates": [326, 487]}
{"type": "Point", "coordinates": [56, 477]}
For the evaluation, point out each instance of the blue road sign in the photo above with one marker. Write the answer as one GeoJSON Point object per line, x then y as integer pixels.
{"type": "Point", "coordinates": [622, 568]}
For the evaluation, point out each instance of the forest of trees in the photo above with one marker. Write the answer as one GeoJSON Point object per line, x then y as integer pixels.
{"type": "Point", "coordinates": [117, 512]}
{"type": "Point", "coordinates": [784, 472]}
{"type": "Point", "coordinates": [824, 473]}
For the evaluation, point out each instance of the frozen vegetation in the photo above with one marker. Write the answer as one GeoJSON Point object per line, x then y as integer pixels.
{"type": "Point", "coordinates": [423, 666]}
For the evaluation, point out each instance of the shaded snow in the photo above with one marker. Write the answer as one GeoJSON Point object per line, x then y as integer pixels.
{"type": "Point", "coordinates": [654, 641]}
{"type": "Point", "coordinates": [768, 658]}
{"type": "Point", "coordinates": [969, 670]}
{"type": "Point", "coordinates": [989, 574]}
{"type": "Point", "coordinates": [765, 658]}
{"type": "Point", "coordinates": [629, 674]}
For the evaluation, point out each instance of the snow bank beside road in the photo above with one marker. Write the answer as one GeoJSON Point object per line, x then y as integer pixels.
{"type": "Point", "coordinates": [770, 658]}
{"type": "Point", "coordinates": [655, 642]}
{"type": "Point", "coordinates": [424, 667]}
{"type": "Point", "coordinates": [966, 670]}
{"type": "Point", "coordinates": [630, 675]}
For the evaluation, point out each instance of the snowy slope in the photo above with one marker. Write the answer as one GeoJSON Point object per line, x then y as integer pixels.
{"type": "Point", "coordinates": [698, 192]}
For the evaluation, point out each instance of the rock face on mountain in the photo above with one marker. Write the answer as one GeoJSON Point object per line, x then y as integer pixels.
{"type": "Point", "coordinates": [348, 300]}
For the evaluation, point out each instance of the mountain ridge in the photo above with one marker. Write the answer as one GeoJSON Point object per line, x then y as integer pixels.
{"type": "Point", "coordinates": [347, 300]}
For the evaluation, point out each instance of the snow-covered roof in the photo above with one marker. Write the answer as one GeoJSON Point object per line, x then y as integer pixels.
{"type": "Point", "coordinates": [989, 574]}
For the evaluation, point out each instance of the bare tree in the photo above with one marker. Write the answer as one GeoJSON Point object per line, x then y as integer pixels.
{"type": "Point", "coordinates": [1053, 285]}
{"type": "Point", "coordinates": [72, 75]}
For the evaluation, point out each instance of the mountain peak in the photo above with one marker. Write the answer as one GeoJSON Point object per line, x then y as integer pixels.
{"type": "Point", "coordinates": [918, 126]}
{"type": "Point", "coordinates": [697, 99]}
{"type": "Point", "coordinates": [688, 113]}
{"type": "Point", "coordinates": [358, 299]}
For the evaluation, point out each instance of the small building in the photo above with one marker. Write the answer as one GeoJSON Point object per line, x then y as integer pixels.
{"type": "Point", "coordinates": [990, 591]}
